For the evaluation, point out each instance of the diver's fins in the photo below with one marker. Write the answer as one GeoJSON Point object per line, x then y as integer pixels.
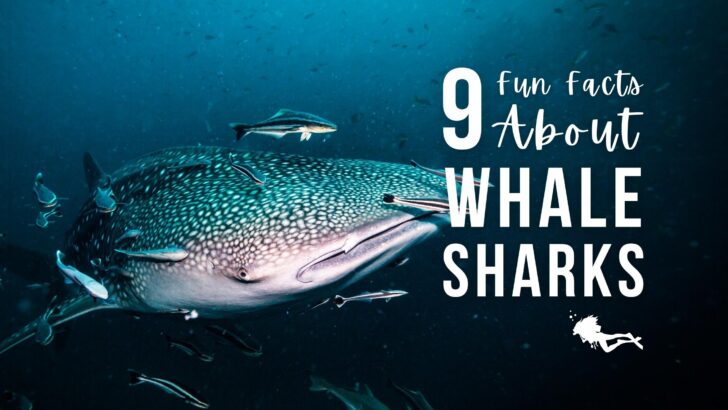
{"type": "Point", "coordinates": [60, 312]}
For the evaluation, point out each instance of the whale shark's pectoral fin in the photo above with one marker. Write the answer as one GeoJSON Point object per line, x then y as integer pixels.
{"type": "Point", "coordinates": [56, 314]}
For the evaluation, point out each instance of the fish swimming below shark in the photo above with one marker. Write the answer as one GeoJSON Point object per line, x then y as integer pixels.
{"type": "Point", "coordinates": [386, 295]}
{"type": "Point", "coordinates": [171, 387]}
{"type": "Point", "coordinates": [413, 397]}
{"type": "Point", "coordinates": [315, 227]}
{"type": "Point", "coordinates": [364, 400]}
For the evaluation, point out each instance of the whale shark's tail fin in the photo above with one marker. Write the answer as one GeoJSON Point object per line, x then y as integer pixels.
{"type": "Point", "coordinates": [56, 314]}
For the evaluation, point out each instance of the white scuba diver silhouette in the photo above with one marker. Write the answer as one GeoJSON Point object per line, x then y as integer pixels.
{"type": "Point", "coordinates": [590, 331]}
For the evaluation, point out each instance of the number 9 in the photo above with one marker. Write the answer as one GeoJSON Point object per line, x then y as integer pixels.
{"type": "Point", "coordinates": [472, 112]}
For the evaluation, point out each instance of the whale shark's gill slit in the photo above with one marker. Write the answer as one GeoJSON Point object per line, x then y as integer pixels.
{"type": "Point", "coordinates": [348, 246]}
{"type": "Point", "coordinates": [320, 259]}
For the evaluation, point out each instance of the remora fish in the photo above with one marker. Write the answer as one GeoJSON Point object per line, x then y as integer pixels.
{"type": "Point", "coordinates": [188, 348]}
{"type": "Point", "coordinates": [44, 218]}
{"type": "Point", "coordinates": [71, 274]}
{"type": "Point", "coordinates": [174, 388]}
{"type": "Point", "coordinates": [247, 244]}
{"type": "Point", "coordinates": [234, 340]}
{"type": "Point", "coordinates": [168, 254]}
{"type": "Point", "coordinates": [46, 198]}
{"type": "Point", "coordinates": [105, 200]}
{"type": "Point", "coordinates": [252, 173]}
{"type": "Point", "coordinates": [286, 122]}
{"type": "Point", "coordinates": [128, 235]}
{"type": "Point", "coordinates": [339, 301]}
{"type": "Point", "coordinates": [352, 399]}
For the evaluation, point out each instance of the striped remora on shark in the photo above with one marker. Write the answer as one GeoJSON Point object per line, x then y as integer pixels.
{"type": "Point", "coordinates": [315, 227]}
{"type": "Point", "coordinates": [286, 122]}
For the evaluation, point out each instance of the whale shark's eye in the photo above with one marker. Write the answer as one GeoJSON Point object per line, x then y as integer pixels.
{"type": "Point", "coordinates": [242, 275]}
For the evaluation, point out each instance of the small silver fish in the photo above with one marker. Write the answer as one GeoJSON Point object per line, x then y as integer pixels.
{"type": "Point", "coordinates": [400, 262]}
{"type": "Point", "coordinates": [41, 221]}
{"type": "Point", "coordinates": [46, 198]}
{"type": "Point", "coordinates": [321, 303]}
{"type": "Point", "coordinates": [171, 254]}
{"type": "Point", "coordinates": [232, 339]}
{"type": "Point", "coordinates": [44, 218]}
{"type": "Point", "coordinates": [129, 235]}
{"type": "Point", "coordinates": [286, 122]}
{"type": "Point", "coordinates": [339, 301]}
{"type": "Point", "coordinates": [91, 285]}
{"type": "Point", "coordinates": [169, 386]}
{"type": "Point", "coordinates": [249, 171]}
{"type": "Point", "coordinates": [428, 204]}
{"type": "Point", "coordinates": [188, 348]}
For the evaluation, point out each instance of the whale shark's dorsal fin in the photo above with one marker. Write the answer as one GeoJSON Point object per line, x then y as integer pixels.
{"type": "Point", "coordinates": [56, 314]}
{"type": "Point", "coordinates": [95, 176]}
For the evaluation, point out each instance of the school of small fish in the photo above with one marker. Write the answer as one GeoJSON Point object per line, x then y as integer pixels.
{"type": "Point", "coordinates": [48, 202]}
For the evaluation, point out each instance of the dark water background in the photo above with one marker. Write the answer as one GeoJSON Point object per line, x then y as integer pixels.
{"type": "Point", "coordinates": [123, 78]}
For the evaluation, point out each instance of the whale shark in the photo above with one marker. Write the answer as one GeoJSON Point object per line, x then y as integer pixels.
{"type": "Point", "coordinates": [210, 240]}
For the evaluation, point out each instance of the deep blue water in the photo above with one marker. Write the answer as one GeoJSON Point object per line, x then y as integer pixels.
{"type": "Point", "coordinates": [124, 78]}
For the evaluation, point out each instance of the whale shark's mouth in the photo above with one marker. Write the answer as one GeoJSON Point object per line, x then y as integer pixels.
{"type": "Point", "coordinates": [362, 254]}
